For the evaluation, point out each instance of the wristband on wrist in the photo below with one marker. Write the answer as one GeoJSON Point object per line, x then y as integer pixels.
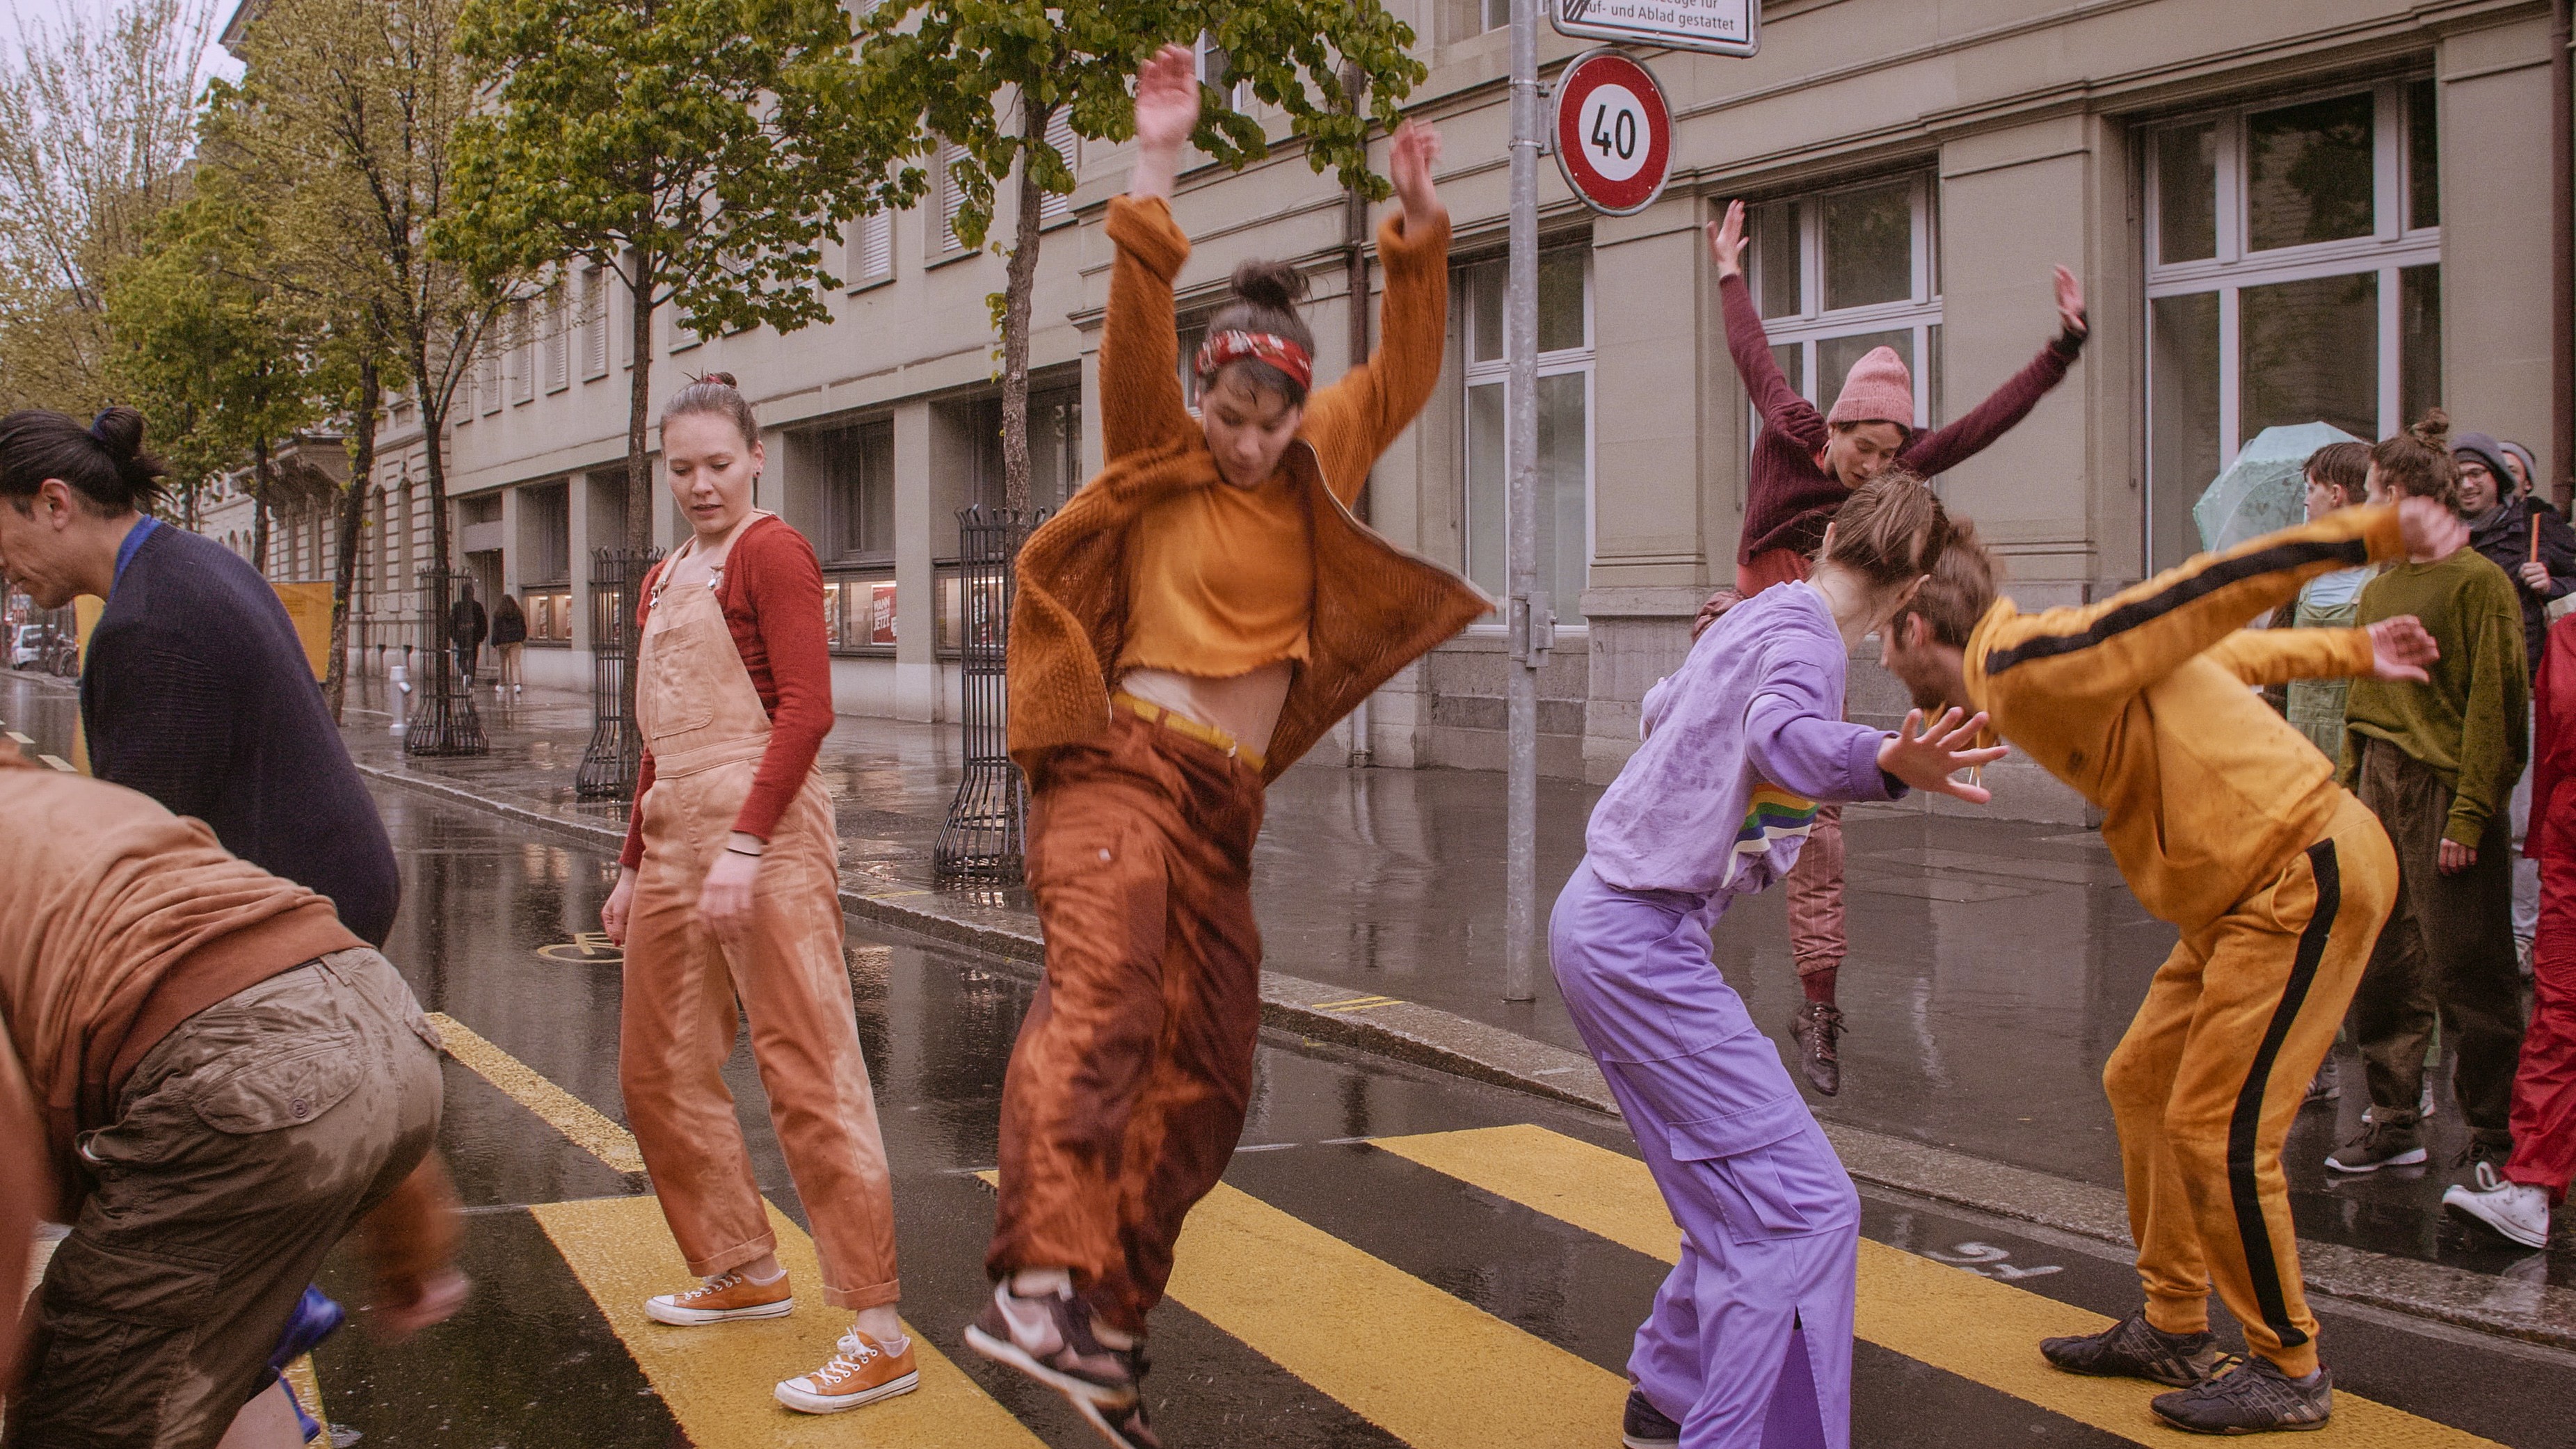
{"type": "Point", "coordinates": [738, 850]}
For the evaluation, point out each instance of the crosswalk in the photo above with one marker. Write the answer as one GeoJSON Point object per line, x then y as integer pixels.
{"type": "Point", "coordinates": [1413, 1359]}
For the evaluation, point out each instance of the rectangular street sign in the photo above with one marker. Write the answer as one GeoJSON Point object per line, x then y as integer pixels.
{"type": "Point", "coordinates": [1720, 27]}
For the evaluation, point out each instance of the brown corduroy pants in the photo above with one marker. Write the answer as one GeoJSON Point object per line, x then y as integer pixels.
{"type": "Point", "coordinates": [1127, 1089]}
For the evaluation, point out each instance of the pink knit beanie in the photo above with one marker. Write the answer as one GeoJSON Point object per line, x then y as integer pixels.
{"type": "Point", "coordinates": [1878, 390]}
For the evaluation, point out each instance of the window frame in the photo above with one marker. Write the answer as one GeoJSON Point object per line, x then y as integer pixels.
{"type": "Point", "coordinates": [2390, 249]}
{"type": "Point", "coordinates": [595, 295]}
{"type": "Point", "coordinates": [1054, 210]}
{"type": "Point", "coordinates": [1812, 323]}
{"type": "Point", "coordinates": [873, 232]}
{"type": "Point", "coordinates": [947, 200]}
{"type": "Point", "coordinates": [558, 338]}
{"type": "Point", "coordinates": [1496, 371]}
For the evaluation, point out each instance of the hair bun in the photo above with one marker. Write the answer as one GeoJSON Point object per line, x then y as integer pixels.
{"type": "Point", "coordinates": [720, 379]}
{"type": "Point", "coordinates": [1270, 284]}
{"type": "Point", "coordinates": [119, 430]}
{"type": "Point", "coordinates": [2433, 430]}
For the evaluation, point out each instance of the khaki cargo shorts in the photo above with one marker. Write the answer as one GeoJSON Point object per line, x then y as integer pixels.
{"type": "Point", "coordinates": [247, 1142]}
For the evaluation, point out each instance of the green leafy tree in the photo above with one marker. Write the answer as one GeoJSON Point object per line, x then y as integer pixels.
{"type": "Point", "coordinates": [990, 77]}
{"type": "Point", "coordinates": [700, 151]}
{"type": "Point", "coordinates": [221, 360]}
{"type": "Point", "coordinates": [344, 126]}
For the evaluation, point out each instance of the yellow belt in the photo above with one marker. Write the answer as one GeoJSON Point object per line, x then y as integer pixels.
{"type": "Point", "coordinates": [1188, 728]}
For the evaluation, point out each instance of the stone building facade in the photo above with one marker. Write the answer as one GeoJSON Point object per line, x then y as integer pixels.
{"type": "Point", "coordinates": [2281, 212]}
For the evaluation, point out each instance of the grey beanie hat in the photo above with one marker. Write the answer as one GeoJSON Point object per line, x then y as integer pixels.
{"type": "Point", "coordinates": [2530, 460]}
{"type": "Point", "coordinates": [2487, 450]}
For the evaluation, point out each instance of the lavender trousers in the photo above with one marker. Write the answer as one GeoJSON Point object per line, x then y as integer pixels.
{"type": "Point", "coordinates": [1770, 1224]}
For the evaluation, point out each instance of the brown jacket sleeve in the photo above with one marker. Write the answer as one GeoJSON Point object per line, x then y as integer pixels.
{"type": "Point", "coordinates": [1361, 413]}
{"type": "Point", "coordinates": [26, 1191]}
{"type": "Point", "coordinates": [1140, 379]}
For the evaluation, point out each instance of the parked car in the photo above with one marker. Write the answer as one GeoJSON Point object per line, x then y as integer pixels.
{"type": "Point", "coordinates": [27, 645]}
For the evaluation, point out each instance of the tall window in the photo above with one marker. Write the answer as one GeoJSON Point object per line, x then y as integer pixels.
{"type": "Point", "coordinates": [1216, 71]}
{"type": "Point", "coordinates": [1564, 427]}
{"type": "Point", "coordinates": [487, 368]}
{"type": "Point", "coordinates": [1069, 146]}
{"type": "Point", "coordinates": [944, 241]}
{"type": "Point", "coordinates": [594, 321]}
{"type": "Point", "coordinates": [545, 534]}
{"type": "Point", "coordinates": [2293, 276]}
{"type": "Point", "coordinates": [868, 256]}
{"type": "Point", "coordinates": [523, 353]}
{"type": "Point", "coordinates": [856, 465]}
{"type": "Point", "coordinates": [558, 333]}
{"type": "Point", "coordinates": [1055, 445]}
{"type": "Point", "coordinates": [1465, 19]}
{"type": "Point", "coordinates": [1845, 271]}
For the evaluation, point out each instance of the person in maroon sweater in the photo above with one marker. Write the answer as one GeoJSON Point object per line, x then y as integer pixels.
{"type": "Point", "coordinates": [1805, 464]}
{"type": "Point", "coordinates": [729, 891]}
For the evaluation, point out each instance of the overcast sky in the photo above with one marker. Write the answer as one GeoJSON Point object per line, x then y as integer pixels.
{"type": "Point", "coordinates": [22, 13]}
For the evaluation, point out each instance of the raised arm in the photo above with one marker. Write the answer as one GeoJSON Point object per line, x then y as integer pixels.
{"type": "Point", "coordinates": [1356, 418]}
{"type": "Point", "coordinates": [1141, 406]}
{"type": "Point", "coordinates": [2277, 656]}
{"type": "Point", "coordinates": [2116, 647]}
{"type": "Point", "coordinates": [1782, 409]}
{"type": "Point", "coordinates": [1946, 448]}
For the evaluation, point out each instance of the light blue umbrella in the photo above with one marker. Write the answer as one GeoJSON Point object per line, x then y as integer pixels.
{"type": "Point", "coordinates": [2265, 489]}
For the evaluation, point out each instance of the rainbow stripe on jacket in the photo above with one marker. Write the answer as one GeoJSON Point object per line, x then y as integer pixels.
{"type": "Point", "coordinates": [1770, 816]}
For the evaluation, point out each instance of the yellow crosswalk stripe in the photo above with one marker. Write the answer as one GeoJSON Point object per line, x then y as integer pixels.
{"type": "Point", "coordinates": [586, 1125]}
{"type": "Point", "coordinates": [1980, 1329]}
{"type": "Point", "coordinates": [715, 1381]}
{"type": "Point", "coordinates": [1426, 1366]}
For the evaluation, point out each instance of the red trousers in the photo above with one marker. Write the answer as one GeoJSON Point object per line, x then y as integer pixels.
{"type": "Point", "coordinates": [2544, 1085]}
{"type": "Point", "coordinates": [1128, 1086]}
{"type": "Point", "coordinates": [1816, 937]}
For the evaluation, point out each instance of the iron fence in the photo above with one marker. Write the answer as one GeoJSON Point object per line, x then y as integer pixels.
{"type": "Point", "coordinates": [443, 721]}
{"type": "Point", "coordinates": [985, 836]}
{"type": "Point", "coordinates": [616, 749]}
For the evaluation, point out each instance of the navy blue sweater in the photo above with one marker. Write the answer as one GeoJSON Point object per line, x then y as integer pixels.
{"type": "Point", "coordinates": [197, 693]}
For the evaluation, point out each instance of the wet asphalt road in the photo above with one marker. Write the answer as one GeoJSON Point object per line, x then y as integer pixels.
{"type": "Point", "coordinates": [492, 933]}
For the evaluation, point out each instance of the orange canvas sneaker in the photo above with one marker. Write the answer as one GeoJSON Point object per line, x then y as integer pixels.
{"type": "Point", "coordinates": [862, 1372]}
{"type": "Point", "coordinates": [722, 1299]}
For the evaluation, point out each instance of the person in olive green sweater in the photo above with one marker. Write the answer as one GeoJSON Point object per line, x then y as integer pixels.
{"type": "Point", "coordinates": [2436, 761]}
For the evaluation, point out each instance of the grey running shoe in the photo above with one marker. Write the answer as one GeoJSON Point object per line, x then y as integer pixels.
{"type": "Point", "coordinates": [2252, 1397]}
{"type": "Point", "coordinates": [2133, 1348]}
{"type": "Point", "coordinates": [1645, 1427]}
{"type": "Point", "coordinates": [1049, 1338]}
{"type": "Point", "coordinates": [2326, 1085]}
{"type": "Point", "coordinates": [2381, 1144]}
{"type": "Point", "coordinates": [1816, 1026]}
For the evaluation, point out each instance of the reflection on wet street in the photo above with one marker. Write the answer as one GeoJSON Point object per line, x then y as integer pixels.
{"type": "Point", "coordinates": [1471, 1230]}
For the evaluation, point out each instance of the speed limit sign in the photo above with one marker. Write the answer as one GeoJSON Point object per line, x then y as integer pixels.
{"type": "Point", "coordinates": [1614, 134]}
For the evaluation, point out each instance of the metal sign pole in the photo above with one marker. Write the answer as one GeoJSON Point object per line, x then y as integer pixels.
{"type": "Point", "coordinates": [1524, 605]}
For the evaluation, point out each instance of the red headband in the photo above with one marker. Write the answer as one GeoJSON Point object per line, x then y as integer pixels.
{"type": "Point", "coordinates": [1269, 347]}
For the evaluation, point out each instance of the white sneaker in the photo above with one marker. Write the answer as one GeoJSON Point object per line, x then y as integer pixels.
{"type": "Point", "coordinates": [2517, 1210]}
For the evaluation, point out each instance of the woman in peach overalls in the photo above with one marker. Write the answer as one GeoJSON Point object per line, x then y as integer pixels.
{"type": "Point", "coordinates": [729, 891]}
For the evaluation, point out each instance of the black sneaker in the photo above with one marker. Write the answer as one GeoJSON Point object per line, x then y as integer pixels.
{"type": "Point", "coordinates": [1645, 1427]}
{"type": "Point", "coordinates": [1049, 1338]}
{"type": "Point", "coordinates": [2381, 1144]}
{"type": "Point", "coordinates": [2252, 1397]}
{"type": "Point", "coordinates": [1816, 1026]}
{"type": "Point", "coordinates": [2133, 1348]}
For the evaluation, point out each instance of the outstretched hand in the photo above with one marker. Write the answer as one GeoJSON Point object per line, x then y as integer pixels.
{"type": "Point", "coordinates": [2400, 648]}
{"type": "Point", "coordinates": [1167, 99]}
{"type": "Point", "coordinates": [2070, 303]}
{"type": "Point", "coordinates": [1410, 157]}
{"type": "Point", "coordinates": [1928, 759]}
{"type": "Point", "coordinates": [1726, 241]}
{"type": "Point", "coordinates": [2431, 531]}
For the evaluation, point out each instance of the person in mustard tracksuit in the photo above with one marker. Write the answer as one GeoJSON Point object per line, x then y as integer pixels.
{"type": "Point", "coordinates": [2228, 823]}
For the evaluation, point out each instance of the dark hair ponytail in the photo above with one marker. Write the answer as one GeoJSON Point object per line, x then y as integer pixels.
{"type": "Point", "coordinates": [1266, 295]}
{"type": "Point", "coordinates": [105, 463]}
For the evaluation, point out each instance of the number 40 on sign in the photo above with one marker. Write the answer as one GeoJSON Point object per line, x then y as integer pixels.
{"type": "Point", "coordinates": [1614, 134]}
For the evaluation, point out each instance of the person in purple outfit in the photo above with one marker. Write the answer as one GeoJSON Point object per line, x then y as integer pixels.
{"type": "Point", "coordinates": [1740, 746]}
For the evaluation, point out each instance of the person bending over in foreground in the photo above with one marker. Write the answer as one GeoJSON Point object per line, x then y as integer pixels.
{"type": "Point", "coordinates": [1805, 465]}
{"type": "Point", "coordinates": [1188, 626]}
{"type": "Point", "coordinates": [2228, 823]}
{"type": "Point", "coordinates": [1740, 745]}
{"type": "Point", "coordinates": [220, 1081]}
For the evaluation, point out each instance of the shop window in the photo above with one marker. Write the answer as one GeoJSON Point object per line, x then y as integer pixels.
{"type": "Point", "coordinates": [1845, 271]}
{"type": "Point", "coordinates": [2294, 275]}
{"type": "Point", "coordinates": [1564, 427]}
